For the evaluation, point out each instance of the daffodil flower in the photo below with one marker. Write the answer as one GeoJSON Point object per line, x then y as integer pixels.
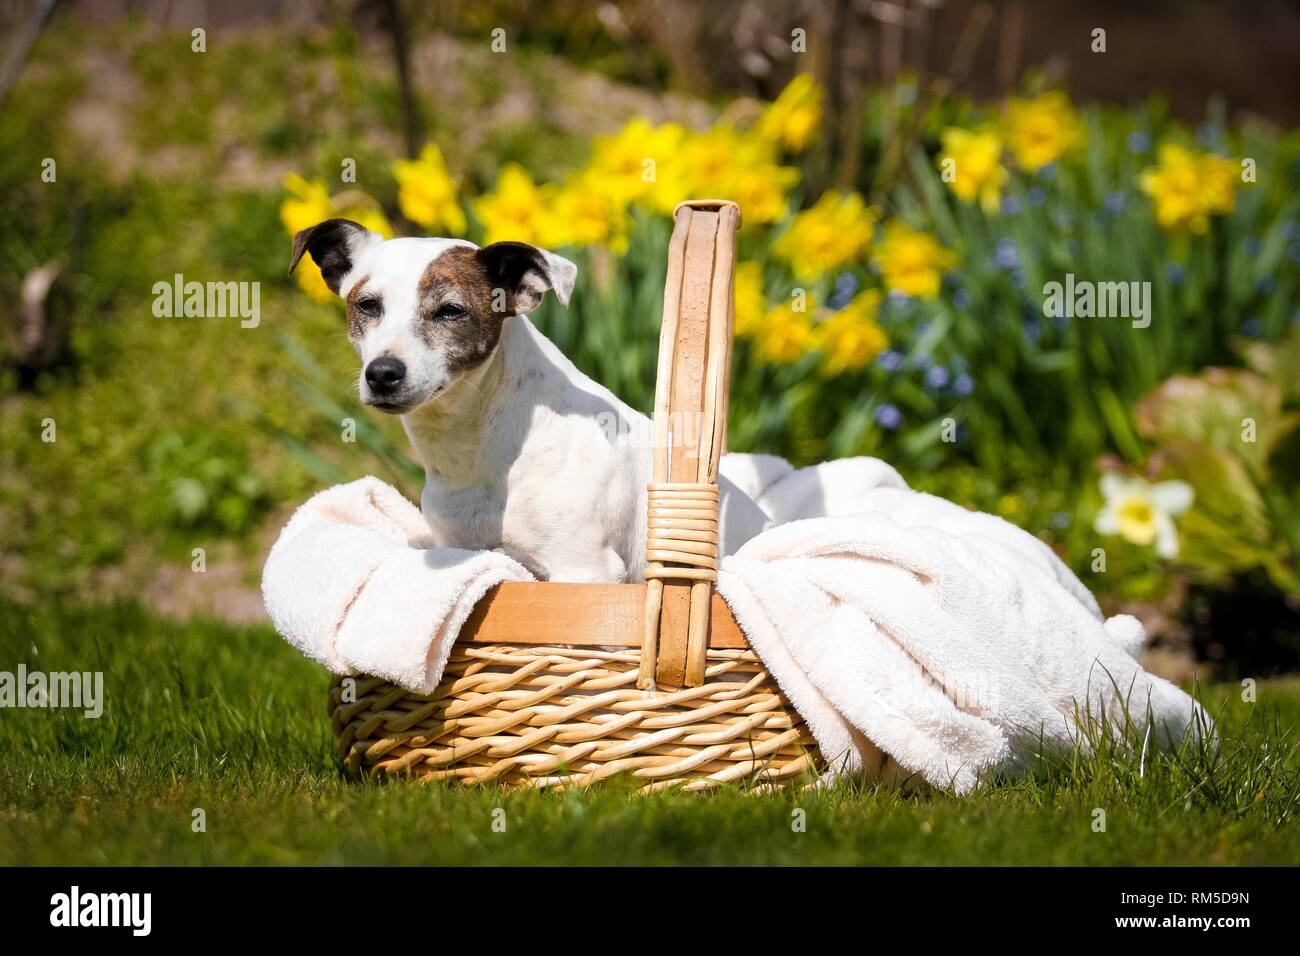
{"type": "Point", "coordinates": [1142, 512]}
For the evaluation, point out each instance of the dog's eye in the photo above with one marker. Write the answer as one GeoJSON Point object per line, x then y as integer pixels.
{"type": "Point", "coordinates": [449, 310]}
{"type": "Point", "coordinates": [370, 306]}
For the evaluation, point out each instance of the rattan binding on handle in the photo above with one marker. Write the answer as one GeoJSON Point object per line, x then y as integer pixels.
{"type": "Point", "coordinates": [690, 415]}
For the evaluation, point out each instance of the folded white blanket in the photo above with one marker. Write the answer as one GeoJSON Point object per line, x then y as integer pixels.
{"type": "Point", "coordinates": [950, 640]}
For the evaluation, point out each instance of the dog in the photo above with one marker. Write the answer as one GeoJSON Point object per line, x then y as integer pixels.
{"type": "Point", "coordinates": [522, 452]}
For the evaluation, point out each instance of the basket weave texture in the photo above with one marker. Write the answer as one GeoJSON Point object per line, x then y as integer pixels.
{"type": "Point", "coordinates": [679, 700]}
{"type": "Point", "coordinates": [566, 716]}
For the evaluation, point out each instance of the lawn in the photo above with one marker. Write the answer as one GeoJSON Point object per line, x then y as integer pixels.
{"type": "Point", "coordinates": [231, 721]}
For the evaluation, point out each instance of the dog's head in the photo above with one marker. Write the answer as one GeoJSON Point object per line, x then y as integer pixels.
{"type": "Point", "coordinates": [421, 312]}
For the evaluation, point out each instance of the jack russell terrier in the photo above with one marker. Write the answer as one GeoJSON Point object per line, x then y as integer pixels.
{"type": "Point", "coordinates": [522, 452]}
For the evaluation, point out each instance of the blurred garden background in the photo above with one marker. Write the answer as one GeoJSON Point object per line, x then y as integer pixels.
{"type": "Point", "coordinates": [912, 175]}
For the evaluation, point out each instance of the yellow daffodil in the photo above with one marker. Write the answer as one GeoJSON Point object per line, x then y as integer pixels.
{"type": "Point", "coordinates": [1188, 188]}
{"type": "Point", "coordinates": [311, 281]}
{"type": "Point", "coordinates": [723, 163]}
{"type": "Point", "coordinates": [850, 338]}
{"type": "Point", "coordinates": [426, 193]}
{"type": "Point", "coordinates": [711, 159]}
{"type": "Point", "coordinates": [1220, 178]}
{"type": "Point", "coordinates": [519, 209]}
{"type": "Point", "coordinates": [747, 295]}
{"type": "Point", "coordinates": [785, 333]}
{"type": "Point", "coordinates": [791, 121]}
{"type": "Point", "coordinates": [582, 214]}
{"type": "Point", "coordinates": [761, 192]}
{"type": "Point", "coordinates": [639, 163]}
{"type": "Point", "coordinates": [1143, 513]}
{"type": "Point", "coordinates": [1041, 130]}
{"type": "Point", "coordinates": [308, 203]}
{"type": "Point", "coordinates": [977, 171]}
{"type": "Point", "coordinates": [912, 262]}
{"type": "Point", "coordinates": [830, 234]}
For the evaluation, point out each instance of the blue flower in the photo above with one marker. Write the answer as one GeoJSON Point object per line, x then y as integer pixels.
{"type": "Point", "coordinates": [1036, 196]}
{"type": "Point", "coordinates": [1266, 284]}
{"type": "Point", "coordinates": [1115, 203]}
{"type": "Point", "coordinates": [888, 416]}
{"type": "Point", "coordinates": [1046, 172]}
{"type": "Point", "coordinates": [890, 360]}
{"type": "Point", "coordinates": [1250, 244]}
{"type": "Point", "coordinates": [1010, 205]}
{"type": "Point", "coordinates": [937, 377]}
{"type": "Point", "coordinates": [961, 299]}
{"type": "Point", "coordinates": [963, 384]}
{"type": "Point", "coordinates": [1251, 328]}
{"type": "Point", "coordinates": [1007, 255]}
{"type": "Point", "coordinates": [1293, 252]}
{"type": "Point", "coordinates": [1033, 332]}
{"type": "Point", "coordinates": [1174, 272]}
{"type": "Point", "coordinates": [1291, 229]}
{"type": "Point", "coordinates": [846, 285]}
{"type": "Point", "coordinates": [1060, 520]}
{"type": "Point", "coordinates": [1139, 142]}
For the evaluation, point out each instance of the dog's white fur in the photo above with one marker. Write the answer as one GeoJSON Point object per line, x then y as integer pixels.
{"type": "Point", "coordinates": [522, 453]}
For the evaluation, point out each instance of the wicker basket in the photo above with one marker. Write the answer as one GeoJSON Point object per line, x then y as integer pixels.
{"type": "Point", "coordinates": [533, 695]}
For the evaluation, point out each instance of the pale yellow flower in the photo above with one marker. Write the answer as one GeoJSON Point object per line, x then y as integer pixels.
{"type": "Point", "coordinates": [1188, 188]}
{"type": "Point", "coordinates": [791, 121]}
{"type": "Point", "coordinates": [518, 210]}
{"type": "Point", "coordinates": [426, 192]}
{"type": "Point", "coordinates": [977, 170]}
{"type": "Point", "coordinates": [833, 232]}
{"type": "Point", "coordinates": [912, 262]}
{"type": "Point", "coordinates": [1144, 513]}
{"type": "Point", "coordinates": [1041, 130]}
{"type": "Point", "coordinates": [850, 338]}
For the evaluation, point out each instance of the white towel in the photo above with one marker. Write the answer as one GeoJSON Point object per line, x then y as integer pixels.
{"type": "Point", "coordinates": [951, 640]}
{"type": "Point", "coordinates": [354, 584]}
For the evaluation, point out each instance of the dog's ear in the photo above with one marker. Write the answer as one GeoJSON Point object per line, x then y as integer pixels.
{"type": "Point", "coordinates": [332, 245]}
{"type": "Point", "coordinates": [526, 272]}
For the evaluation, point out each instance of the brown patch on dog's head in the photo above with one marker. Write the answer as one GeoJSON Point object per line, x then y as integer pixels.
{"type": "Point", "coordinates": [363, 310]}
{"type": "Point", "coordinates": [455, 314]}
{"type": "Point", "coordinates": [465, 296]}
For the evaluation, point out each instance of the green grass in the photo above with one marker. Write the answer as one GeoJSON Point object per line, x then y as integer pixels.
{"type": "Point", "coordinates": [232, 721]}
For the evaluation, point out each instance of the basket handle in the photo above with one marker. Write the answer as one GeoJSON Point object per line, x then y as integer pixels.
{"type": "Point", "coordinates": [690, 419]}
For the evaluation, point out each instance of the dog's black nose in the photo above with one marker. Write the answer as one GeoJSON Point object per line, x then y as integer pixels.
{"type": "Point", "coordinates": [384, 374]}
